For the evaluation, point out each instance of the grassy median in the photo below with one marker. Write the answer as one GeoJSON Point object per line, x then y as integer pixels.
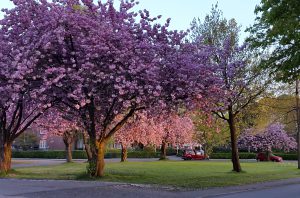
{"type": "Point", "coordinates": [187, 174]}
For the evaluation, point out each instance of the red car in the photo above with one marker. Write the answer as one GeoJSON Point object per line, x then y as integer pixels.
{"type": "Point", "coordinates": [193, 154]}
{"type": "Point", "coordinates": [263, 157]}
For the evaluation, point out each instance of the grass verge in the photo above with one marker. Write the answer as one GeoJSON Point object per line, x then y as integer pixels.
{"type": "Point", "coordinates": [186, 174]}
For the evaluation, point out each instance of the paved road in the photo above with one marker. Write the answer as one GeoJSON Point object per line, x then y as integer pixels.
{"type": "Point", "coordinates": [288, 191]}
{"type": "Point", "coordinates": [83, 189]}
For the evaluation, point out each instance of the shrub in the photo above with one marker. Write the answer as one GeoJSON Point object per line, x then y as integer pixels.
{"type": "Point", "coordinates": [171, 151]}
{"type": "Point", "coordinates": [180, 153]}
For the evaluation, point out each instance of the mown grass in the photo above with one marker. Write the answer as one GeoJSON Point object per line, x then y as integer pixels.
{"type": "Point", "coordinates": [186, 174]}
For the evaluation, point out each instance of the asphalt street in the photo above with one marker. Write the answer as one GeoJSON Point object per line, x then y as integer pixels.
{"type": "Point", "coordinates": [83, 189]}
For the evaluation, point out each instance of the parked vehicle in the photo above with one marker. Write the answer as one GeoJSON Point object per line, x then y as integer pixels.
{"type": "Point", "coordinates": [194, 155]}
{"type": "Point", "coordinates": [263, 157]}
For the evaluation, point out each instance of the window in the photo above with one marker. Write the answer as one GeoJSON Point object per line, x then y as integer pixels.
{"type": "Point", "coordinates": [43, 144]}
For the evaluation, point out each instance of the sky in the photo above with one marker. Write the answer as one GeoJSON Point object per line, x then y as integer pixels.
{"type": "Point", "coordinates": [182, 12]}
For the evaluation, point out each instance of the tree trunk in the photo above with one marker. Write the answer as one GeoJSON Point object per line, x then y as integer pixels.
{"type": "Point", "coordinates": [268, 154]}
{"type": "Point", "coordinates": [97, 146]}
{"type": "Point", "coordinates": [298, 121]}
{"type": "Point", "coordinates": [100, 159]}
{"type": "Point", "coordinates": [5, 158]}
{"type": "Point", "coordinates": [163, 150]}
{"type": "Point", "coordinates": [69, 153]}
{"type": "Point", "coordinates": [124, 153]}
{"type": "Point", "coordinates": [207, 150]}
{"type": "Point", "coordinates": [87, 146]}
{"type": "Point", "coordinates": [234, 148]}
{"type": "Point", "coordinates": [93, 161]}
{"type": "Point", "coordinates": [88, 152]}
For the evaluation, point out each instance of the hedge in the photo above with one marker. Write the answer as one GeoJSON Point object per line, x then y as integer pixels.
{"type": "Point", "coordinates": [48, 154]}
{"type": "Point", "coordinates": [287, 156]}
{"type": "Point", "coordinates": [246, 155]}
{"type": "Point", "coordinates": [133, 154]}
{"type": "Point", "coordinates": [80, 154]}
{"type": "Point", "coordinates": [228, 155]}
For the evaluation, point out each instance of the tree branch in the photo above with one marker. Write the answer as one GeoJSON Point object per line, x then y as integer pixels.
{"type": "Point", "coordinates": [121, 123]}
{"type": "Point", "coordinates": [220, 115]}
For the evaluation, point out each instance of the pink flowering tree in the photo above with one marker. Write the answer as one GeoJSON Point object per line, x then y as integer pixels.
{"type": "Point", "coordinates": [175, 130]}
{"type": "Point", "coordinates": [58, 124]}
{"type": "Point", "coordinates": [137, 129]}
{"type": "Point", "coordinates": [159, 130]}
{"type": "Point", "coordinates": [273, 137]}
{"type": "Point", "coordinates": [103, 65]}
{"type": "Point", "coordinates": [23, 85]}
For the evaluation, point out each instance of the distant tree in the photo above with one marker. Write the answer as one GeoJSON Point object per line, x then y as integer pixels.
{"type": "Point", "coordinates": [273, 137]}
{"type": "Point", "coordinates": [271, 109]}
{"type": "Point", "coordinates": [133, 131]}
{"type": "Point", "coordinates": [173, 129]}
{"type": "Point", "coordinates": [160, 130]}
{"type": "Point", "coordinates": [26, 141]}
{"type": "Point", "coordinates": [210, 131]}
{"type": "Point", "coordinates": [214, 29]}
{"type": "Point", "coordinates": [59, 124]}
{"type": "Point", "coordinates": [69, 137]}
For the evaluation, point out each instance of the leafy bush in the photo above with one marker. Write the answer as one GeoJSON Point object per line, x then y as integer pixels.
{"type": "Point", "coordinates": [171, 151]}
{"type": "Point", "coordinates": [180, 153]}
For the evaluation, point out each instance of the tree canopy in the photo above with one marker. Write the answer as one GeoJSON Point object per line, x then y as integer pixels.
{"type": "Point", "coordinates": [277, 28]}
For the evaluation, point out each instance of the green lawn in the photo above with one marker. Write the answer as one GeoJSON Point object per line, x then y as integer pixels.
{"type": "Point", "coordinates": [190, 174]}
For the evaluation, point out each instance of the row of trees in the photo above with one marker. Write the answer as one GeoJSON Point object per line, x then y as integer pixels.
{"type": "Point", "coordinates": [153, 131]}
{"type": "Point", "coordinates": [95, 67]}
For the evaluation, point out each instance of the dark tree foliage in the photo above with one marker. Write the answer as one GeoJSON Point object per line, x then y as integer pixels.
{"type": "Point", "coordinates": [277, 28]}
